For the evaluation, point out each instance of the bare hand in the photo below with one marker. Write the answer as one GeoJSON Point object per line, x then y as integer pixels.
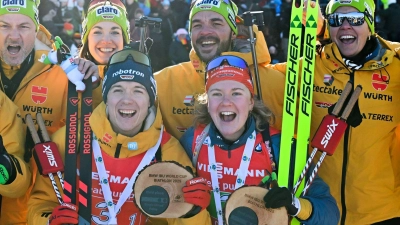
{"type": "Point", "coordinates": [320, 21]}
{"type": "Point", "coordinates": [88, 68]}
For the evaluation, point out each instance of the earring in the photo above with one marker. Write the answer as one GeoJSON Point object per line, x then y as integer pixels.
{"type": "Point", "coordinates": [107, 110]}
{"type": "Point", "coordinates": [369, 37]}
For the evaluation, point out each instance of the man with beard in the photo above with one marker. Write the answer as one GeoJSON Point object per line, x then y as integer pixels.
{"type": "Point", "coordinates": [30, 84]}
{"type": "Point", "coordinates": [213, 31]}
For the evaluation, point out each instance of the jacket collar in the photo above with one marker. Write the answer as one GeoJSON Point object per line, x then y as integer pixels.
{"type": "Point", "coordinates": [109, 140]}
{"type": "Point", "coordinates": [217, 139]}
{"type": "Point", "coordinates": [333, 60]}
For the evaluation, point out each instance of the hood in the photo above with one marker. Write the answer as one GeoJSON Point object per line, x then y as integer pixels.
{"type": "Point", "coordinates": [43, 39]}
{"type": "Point", "coordinates": [108, 139]}
{"type": "Point", "coordinates": [263, 56]}
{"type": "Point", "coordinates": [388, 51]}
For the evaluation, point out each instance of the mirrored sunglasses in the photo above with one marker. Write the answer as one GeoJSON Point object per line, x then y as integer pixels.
{"type": "Point", "coordinates": [123, 55]}
{"type": "Point", "coordinates": [229, 60]}
{"type": "Point", "coordinates": [353, 18]}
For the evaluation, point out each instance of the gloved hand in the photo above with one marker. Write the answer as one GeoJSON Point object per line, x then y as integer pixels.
{"type": "Point", "coordinates": [67, 213]}
{"type": "Point", "coordinates": [281, 196]}
{"type": "Point", "coordinates": [355, 118]}
{"type": "Point", "coordinates": [269, 181]}
{"type": "Point", "coordinates": [7, 167]}
{"type": "Point", "coordinates": [197, 192]}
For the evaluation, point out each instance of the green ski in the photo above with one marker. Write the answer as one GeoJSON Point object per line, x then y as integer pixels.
{"type": "Point", "coordinates": [306, 92]}
{"type": "Point", "coordinates": [289, 110]}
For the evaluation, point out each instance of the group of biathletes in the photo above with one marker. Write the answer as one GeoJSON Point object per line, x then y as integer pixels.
{"type": "Point", "coordinates": [359, 184]}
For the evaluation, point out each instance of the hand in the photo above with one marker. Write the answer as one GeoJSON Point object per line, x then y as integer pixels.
{"type": "Point", "coordinates": [269, 181]}
{"type": "Point", "coordinates": [321, 18]}
{"type": "Point", "coordinates": [7, 167]}
{"type": "Point", "coordinates": [88, 68]}
{"type": "Point", "coordinates": [281, 197]}
{"type": "Point", "coordinates": [67, 213]}
{"type": "Point", "coordinates": [197, 192]}
{"type": "Point", "coordinates": [355, 118]}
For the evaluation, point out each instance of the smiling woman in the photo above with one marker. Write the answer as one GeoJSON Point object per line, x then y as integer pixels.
{"type": "Point", "coordinates": [128, 135]}
{"type": "Point", "coordinates": [232, 133]}
{"type": "Point", "coordinates": [129, 93]}
{"type": "Point", "coordinates": [355, 53]}
{"type": "Point", "coordinates": [105, 31]}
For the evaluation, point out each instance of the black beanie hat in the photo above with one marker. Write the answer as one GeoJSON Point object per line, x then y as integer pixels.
{"type": "Point", "coordinates": [130, 65]}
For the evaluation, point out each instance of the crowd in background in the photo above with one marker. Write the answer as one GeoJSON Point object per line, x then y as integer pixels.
{"type": "Point", "coordinates": [171, 43]}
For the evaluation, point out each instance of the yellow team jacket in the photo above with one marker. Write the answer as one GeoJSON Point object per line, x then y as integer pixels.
{"type": "Point", "coordinates": [364, 172]}
{"type": "Point", "coordinates": [13, 141]}
{"type": "Point", "coordinates": [178, 86]}
{"type": "Point", "coordinates": [43, 89]}
{"type": "Point", "coordinates": [43, 199]}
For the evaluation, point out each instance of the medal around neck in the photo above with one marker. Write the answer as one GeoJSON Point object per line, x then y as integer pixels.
{"type": "Point", "coordinates": [158, 190]}
{"type": "Point", "coordinates": [246, 206]}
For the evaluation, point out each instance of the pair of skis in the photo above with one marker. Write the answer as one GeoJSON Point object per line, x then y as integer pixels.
{"type": "Point", "coordinates": [81, 147]}
{"type": "Point", "coordinates": [291, 93]}
{"type": "Point", "coordinates": [332, 127]}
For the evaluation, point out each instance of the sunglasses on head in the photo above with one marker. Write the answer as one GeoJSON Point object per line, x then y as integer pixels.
{"type": "Point", "coordinates": [123, 55]}
{"type": "Point", "coordinates": [227, 60]}
{"type": "Point", "coordinates": [353, 18]}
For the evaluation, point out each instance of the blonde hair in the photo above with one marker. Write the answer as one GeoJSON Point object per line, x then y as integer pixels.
{"type": "Point", "coordinates": [261, 113]}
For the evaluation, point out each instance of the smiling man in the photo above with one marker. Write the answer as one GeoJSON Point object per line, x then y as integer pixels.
{"type": "Point", "coordinates": [214, 26]}
{"type": "Point", "coordinates": [31, 85]}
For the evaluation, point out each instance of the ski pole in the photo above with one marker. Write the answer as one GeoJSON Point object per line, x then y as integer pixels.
{"type": "Point", "coordinates": [46, 154]}
{"type": "Point", "coordinates": [332, 136]}
{"type": "Point", "coordinates": [251, 18]}
{"type": "Point", "coordinates": [335, 112]}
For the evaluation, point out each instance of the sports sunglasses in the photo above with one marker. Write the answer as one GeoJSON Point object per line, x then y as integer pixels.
{"type": "Point", "coordinates": [230, 60]}
{"type": "Point", "coordinates": [354, 19]}
{"type": "Point", "coordinates": [123, 55]}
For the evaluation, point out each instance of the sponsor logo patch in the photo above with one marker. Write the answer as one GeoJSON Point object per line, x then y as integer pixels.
{"type": "Point", "coordinates": [323, 104]}
{"type": "Point", "coordinates": [189, 100]}
{"type": "Point", "coordinates": [107, 10]}
{"type": "Point", "coordinates": [181, 129]}
{"type": "Point", "coordinates": [107, 137]}
{"type": "Point", "coordinates": [378, 116]}
{"type": "Point", "coordinates": [132, 146]}
{"type": "Point", "coordinates": [15, 3]}
{"type": "Point", "coordinates": [380, 82]}
{"type": "Point", "coordinates": [328, 80]}
{"type": "Point", "coordinates": [258, 148]}
{"type": "Point", "coordinates": [39, 94]}
{"type": "Point", "coordinates": [208, 4]}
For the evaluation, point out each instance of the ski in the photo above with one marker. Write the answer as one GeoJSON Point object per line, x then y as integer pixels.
{"type": "Point", "coordinates": [291, 85]}
{"type": "Point", "coordinates": [291, 90]}
{"type": "Point", "coordinates": [71, 145]}
{"type": "Point", "coordinates": [306, 92]}
{"type": "Point", "coordinates": [85, 157]}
